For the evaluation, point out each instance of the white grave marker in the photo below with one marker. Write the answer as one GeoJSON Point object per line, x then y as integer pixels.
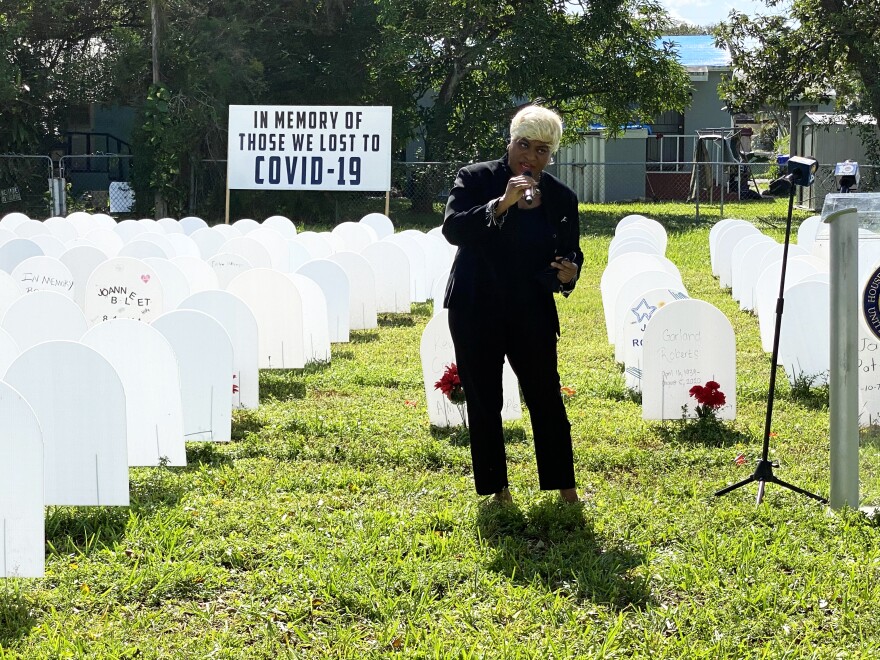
{"type": "Point", "coordinates": [208, 242]}
{"type": "Point", "coordinates": [282, 225]}
{"type": "Point", "coordinates": [805, 339]}
{"type": "Point", "coordinates": [316, 333]}
{"type": "Point", "coordinates": [204, 355]}
{"type": "Point", "coordinates": [226, 266]}
{"type": "Point", "coordinates": [44, 316]}
{"type": "Point", "coordinates": [80, 402]}
{"type": "Point", "coordinates": [241, 325]}
{"type": "Point", "coordinates": [175, 285]}
{"type": "Point", "coordinates": [380, 222]}
{"type": "Point", "coordinates": [687, 343]}
{"type": "Point", "coordinates": [44, 274]}
{"type": "Point", "coordinates": [362, 291]}
{"type": "Point", "coordinates": [632, 334]}
{"type": "Point", "coordinates": [82, 260]}
{"type": "Point", "coordinates": [123, 288]}
{"type": "Point", "coordinates": [191, 224]}
{"type": "Point", "coordinates": [332, 279]}
{"type": "Point", "coordinates": [147, 366]}
{"type": "Point", "coordinates": [22, 514]}
{"type": "Point", "coordinates": [277, 305]}
{"type": "Point", "coordinates": [17, 250]}
{"type": "Point", "coordinates": [437, 352]}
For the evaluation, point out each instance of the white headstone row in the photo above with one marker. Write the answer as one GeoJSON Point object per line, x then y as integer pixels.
{"type": "Point", "coordinates": [667, 342]}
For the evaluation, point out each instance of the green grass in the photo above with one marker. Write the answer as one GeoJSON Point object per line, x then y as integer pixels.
{"type": "Point", "coordinates": [339, 524]}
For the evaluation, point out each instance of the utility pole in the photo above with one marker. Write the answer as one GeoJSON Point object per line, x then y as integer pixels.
{"type": "Point", "coordinates": [159, 200]}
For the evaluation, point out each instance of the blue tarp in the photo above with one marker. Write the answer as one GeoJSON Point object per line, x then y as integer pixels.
{"type": "Point", "coordinates": [698, 50]}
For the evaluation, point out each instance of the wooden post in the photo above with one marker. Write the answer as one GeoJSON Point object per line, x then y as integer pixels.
{"type": "Point", "coordinates": [387, 203]}
{"type": "Point", "coordinates": [227, 193]}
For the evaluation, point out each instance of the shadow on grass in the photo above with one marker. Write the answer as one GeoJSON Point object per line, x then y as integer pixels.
{"type": "Point", "coordinates": [396, 321]}
{"type": "Point", "coordinates": [281, 385]}
{"type": "Point", "coordinates": [363, 336]}
{"type": "Point", "coordinates": [16, 617]}
{"type": "Point", "coordinates": [205, 453]}
{"type": "Point", "coordinates": [460, 436]}
{"type": "Point", "coordinates": [707, 432]}
{"type": "Point", "coordinates": [554, 545]}
{"type": "Point", "coordinates": [82, 530]}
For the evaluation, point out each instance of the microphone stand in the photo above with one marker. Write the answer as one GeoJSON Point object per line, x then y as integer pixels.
{"type": "Point", "coordinates": [763, 473]}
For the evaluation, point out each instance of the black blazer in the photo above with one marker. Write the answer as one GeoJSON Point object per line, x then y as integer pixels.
{"type": "Point", "coordinates": [466, 224]}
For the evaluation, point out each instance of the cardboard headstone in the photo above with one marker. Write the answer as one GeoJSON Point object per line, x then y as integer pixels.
{"type": "Point", "coordinates": [250, 249]}
{"type": "Point", "coordinates": [627, 220]}
{"type": "Point", "coordinates": [123, 288]}
{"type": "Point", "coordinates": [140, 248]}
{"type": "Point", "coordinates": [362, 290]}
{"type": "Point", "coordinates": [129, 229]}
{"type": "Point", "coordinates": [380, 222]}
{"type": "Point", "coordinates": [806, 232]}
{"type": "Point", "coordinates": [22, 512]}
{"type": "Point", "coordinates": [869, 377]}
{"type": "Point", "coordinates": [175, 285]}
{"type": "Point", "coordinates": [332, 279]}
{"type": "Point", "coordinates": [9, 350]}
{"type": "Point", "coordinates": [391, 265]}
{"type": "Point", "coordinates": [439, 258]}
{"type": "Point", "coordinates": [226, 266]}
{"type": "Point", "coordinates": [437, 352]}
{"type": "Point", "coordinates": [418, 268]}
{"type": "Point", "coordinates": [17, 250]}
{"type": "Point", "coordinates": [316, 333]}
{"type": "Point", "coordinates": [183, 245]}
{"type": "Point", "coordinates": [30, 228]}
{"type": "Point", "coordinates": [620, 270]}
{"type": "Point", "coordinates": [208, 242]}
{"type": "Point", "coordinates": [43, 316]}
{"type": "Point", "coordinates": [335, 241]}
{"type": "Point", "coordinates": [61, 229]}
{"type": "Point", "coordinates": [767, 293]}
{"type": "Point", "coordinates": [200, 275]}
{"type": "Point", "coordinates": [204, 356]}
{"type": "Point", "coordinates": [354, 235]}
{"type": "Point", "coordinates": [633, 289]}
{"type": "Point", "coordinates": [632, 245]}
{"type": "Point", "coordinates": [724, 246]}
{"type": "Point", "coordinates": [151, 226]}
{"type": "Point", "coordinates": [736, 260]}
{"type": "Point", "coordinates": [147, 367]}
{"type": "Point", "coordinates": [747, 273]}
{"type": "Point", "coordinates": [82, 222]}
{"type": "Point", "coordinates": [80, 402]}
{"type": "Point", "coordinates": [687, 343]}
{"type": "Point", "coordinates": [642, 224]}
{"type": "Point", "coordinates": [170, 226]}
{"type": "Point", "coordinates": [246, 225]}
{"type": "Point", "coordinates": [6, 235]}
{"type": "Point", "coordinates": [106, 240]}
{"type": "Point", "coordinates": [82, 260]}
{"type": "Point", "coordinates": [103, 220]}
{"type": "Point", "coordinates": [191, 224]}
{"type": "Point", "coordinates": [277, 306]}
{"type": "Point", "coordinates": [227, 231]}
{"type": "Point", "coordinates": [318, 246]}
{"type": "Point", "coordinates": [805, 336]}
{"type": "Point", "coordinates": [282, 225]}
{"type": "Point", "coordinates": [298, 254]}
{"type": "Point", "coordinates": [438, 293]}
{"type": "Point", "coordinates": [50, 245]}
{"type": "Point", "coordinates": [241, 325]}
{"type": "Point", "coordinates": [275, 244]}
{"type": "Point", "coordinates": [717, 230]}
{"type": "Point", "coordinates": [633, 332]}
{"type": "Point", "coordinates": [44, 274]}
{"type": "Point", "coordinates": [9, 292]}
{"type": "Point", "coordinates": [11, 220]}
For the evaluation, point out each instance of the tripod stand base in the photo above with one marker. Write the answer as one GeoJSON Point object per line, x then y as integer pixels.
{"type": "Point", "coordinates": [763, 474]}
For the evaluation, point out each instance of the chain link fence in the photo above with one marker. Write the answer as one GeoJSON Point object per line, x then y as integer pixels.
{"type": "Point", "coordinates": [101, 183]}
{"type": "Point", "coordinates": [25, 185]}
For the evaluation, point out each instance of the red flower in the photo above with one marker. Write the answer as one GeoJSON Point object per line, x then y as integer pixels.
{"type": "Point", "coordinates": [450, 384]}
{"type": "Point", "coordinates": [710, 397]}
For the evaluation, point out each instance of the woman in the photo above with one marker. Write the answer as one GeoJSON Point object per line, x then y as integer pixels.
{"type": "Point", "coordinates": [517, 232]}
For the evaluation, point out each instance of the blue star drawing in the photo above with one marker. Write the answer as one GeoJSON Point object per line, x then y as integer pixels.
{"type": "Point", "coordinates": [643, 316]}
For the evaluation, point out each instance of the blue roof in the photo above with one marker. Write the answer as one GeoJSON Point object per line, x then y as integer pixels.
{"type": "Point", "coordinates": [698, 50]}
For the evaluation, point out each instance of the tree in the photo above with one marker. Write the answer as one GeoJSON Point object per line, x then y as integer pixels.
{"type": "Point", "coordinates": [466, 62]}
{"type": "Point", "coordinates": [819, 48]}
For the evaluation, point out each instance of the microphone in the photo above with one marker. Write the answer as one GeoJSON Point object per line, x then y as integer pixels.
{"type": "Point", "coordinates": [529, 194]}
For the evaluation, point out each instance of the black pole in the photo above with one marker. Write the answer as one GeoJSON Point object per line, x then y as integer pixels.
{"type": "Point", "coordinates": [763, 473]}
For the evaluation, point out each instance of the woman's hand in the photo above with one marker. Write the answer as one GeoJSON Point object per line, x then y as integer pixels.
{"type": "Point", "coordinates": [516, 188]}
{"type": "Point", "coordinates": [568, 270]}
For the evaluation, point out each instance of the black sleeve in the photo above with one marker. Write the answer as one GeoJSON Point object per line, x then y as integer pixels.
{"type": "Point", "coordinates": [572, 242]}
{"type": "Point", "coordinates": [466, 218]}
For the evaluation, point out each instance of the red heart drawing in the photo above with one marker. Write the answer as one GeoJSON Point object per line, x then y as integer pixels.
{"type": "Point", "coordinates": [145, 278]}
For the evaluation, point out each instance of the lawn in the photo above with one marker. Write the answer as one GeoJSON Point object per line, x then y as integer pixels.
{"type": "Point", "coordinates": [339, 524]}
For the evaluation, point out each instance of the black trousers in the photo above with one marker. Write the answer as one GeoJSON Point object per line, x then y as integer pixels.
{"type": "Point", "coordinates": [481, 340]}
